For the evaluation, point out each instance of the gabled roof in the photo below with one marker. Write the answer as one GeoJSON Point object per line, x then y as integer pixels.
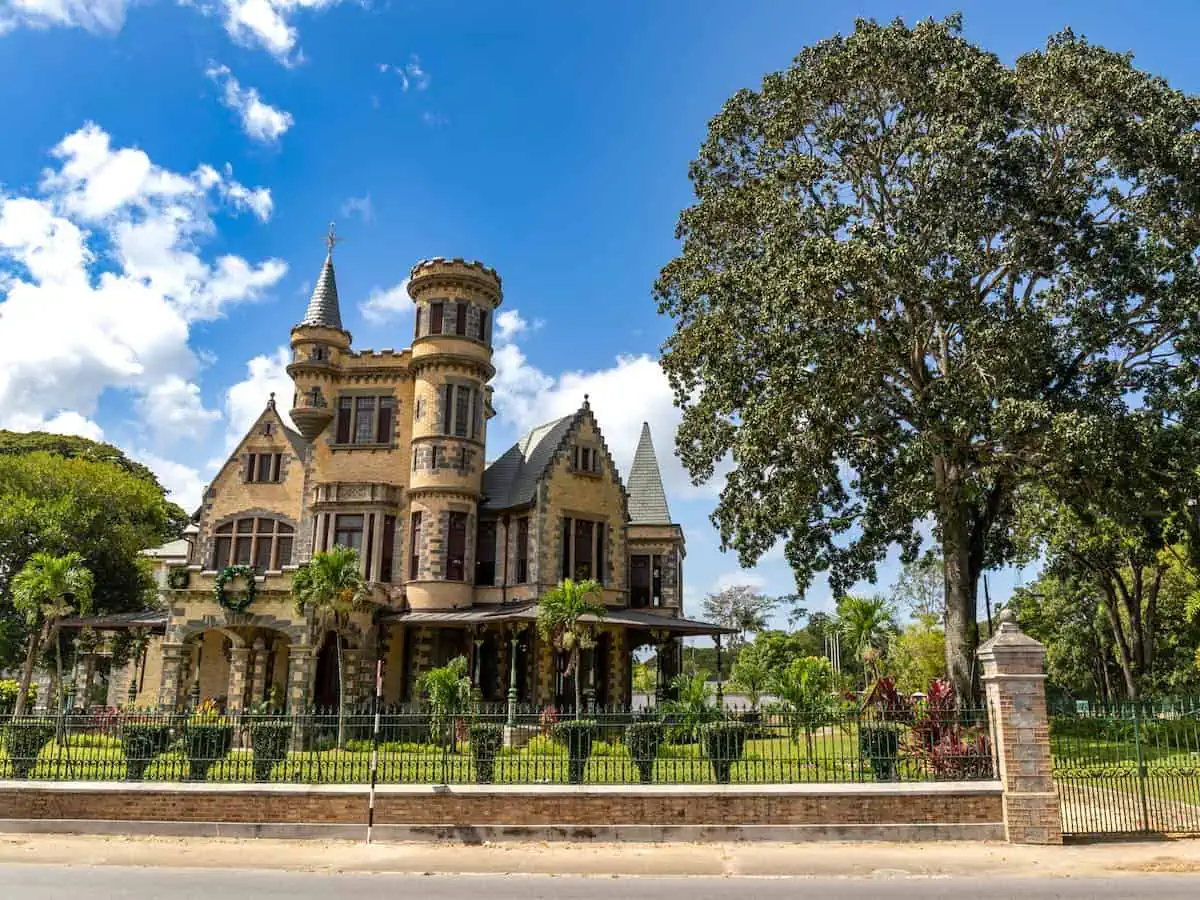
{"type": "Point", "coordinates": [512, 479]}
{"type": "Point", "coordinates": [647, 499]}
{"type": "Point", "coordinates": [323, 309]}
{"type": "Point", "coordinates": [269, 414]}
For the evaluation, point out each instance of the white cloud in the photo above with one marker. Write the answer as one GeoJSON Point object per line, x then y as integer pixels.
{"type": "Point", "coordinates": [631, 391]}
{"type": "Point", "coordinates": [433, 119]}
{"type": "Point", "coordinates": [261, 121]}
{"type": "Point", "coordinates": [268, 23]}
{"type": "Point", "coordinates": [411, 74]}
{"type": "Point", "coordinates": [92, 15]}
{"type": "Point", "coordinates": [359, 206]}
{"type": "Point", "coordinates": [387, 305]}
{"type": "Point", "coordinates": [749, 578]}
{"type": "Point", "coordinates": [184, 484]}
{"type": "Point", "coordinates": [101, 278]}
{"type": "Point", "coordinates": [245, 401]}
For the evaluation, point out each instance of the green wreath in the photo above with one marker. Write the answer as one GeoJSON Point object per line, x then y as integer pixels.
{"type": "Point", "coordinates": [235, 602]}
{"type": "Point", "coordinates": [177, 578]}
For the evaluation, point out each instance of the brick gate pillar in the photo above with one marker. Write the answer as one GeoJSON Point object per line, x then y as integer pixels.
{"type": "Point", "coordinates": [172, 667]}
{"type": "Point", "coordinates": [1015, 681]}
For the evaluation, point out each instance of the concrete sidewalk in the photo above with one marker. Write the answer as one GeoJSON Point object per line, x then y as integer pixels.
{"type": "Point", "coordinates": [752, 859]}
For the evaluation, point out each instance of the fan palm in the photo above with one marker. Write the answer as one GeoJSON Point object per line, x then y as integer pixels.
{"type": "Point", "coordinates": [806, 686]}
{"type": "Point", "coordinates": [560, 614]}
{"type": "Point", "coordinates": [866, 623]}
{"type": "Point", "coordinates": [448, 690]}
{"type": "Point", "coordinates": [332, 588]}
{"type": "Point", "coordinates": [46, 590]}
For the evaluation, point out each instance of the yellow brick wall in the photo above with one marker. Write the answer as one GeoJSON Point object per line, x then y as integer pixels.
{"type": "Point", "coordinates": [377, 466]}
{"type": "Point", "coordinates": [585, 496]}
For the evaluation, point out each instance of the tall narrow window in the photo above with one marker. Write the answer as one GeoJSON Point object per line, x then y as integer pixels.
{"type": "Point", "coordinates": [600, 568]}
{"type": "Point", "coordinates": [223, 546]}
{"type": "Point", "coordinates": [417, 324]}
{"type": "Point", "coordinates": [369, 546]}
{"type": "Point", "coordinates": [485, 553]}
{"type": "Point", "coordinates": [344, 413]}
{"type": "Point", "coordinates": [522, 549]}
{"type": "Point", "coordinates": [387, 419]}
{"type": "Point", "coordinates": [656, 580]}
{"type": "Point", "coordinates": [436, 311]}
{"type": "Point", "coordinates": [385, 557]}
{"type": "Point", "coordinates": [348, 531]}
{"type": "Point", "coordinates": [460, 319]}
{"type": "Point", "coordinates": [462, 411]}
{"type": "Point", "coordinates": [566, 549]}
{"type": "Point", "coordinates": [475, 420]}
{"type": "Point", "coordinates": [414, 544]}
{"type": "Point", "coordinates": [244, 542]}
{"type": "Point", "coordinates": [584, 533]}
{"type": "Point", "coordinates": [447, 407]}
{"type": "Point", "coordinates": [456, 547]}
{"type": "Point", "coordinates": [364, 420]}
{"type": "Point", "coordinates": [483, 325]}
{"type": "Point", "coordinates": [639, 581]}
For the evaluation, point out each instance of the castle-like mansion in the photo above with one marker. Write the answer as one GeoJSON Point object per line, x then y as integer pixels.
{"type": "Point", "coordinates": [389, 458]}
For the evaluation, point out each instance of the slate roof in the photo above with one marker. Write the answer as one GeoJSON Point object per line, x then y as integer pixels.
{"type": "Point", "coordinates": [323, 308]}
{"type": "Point", "coordinates": [647, 499]}
{"type": "Point", "coordinates": [512, 479]}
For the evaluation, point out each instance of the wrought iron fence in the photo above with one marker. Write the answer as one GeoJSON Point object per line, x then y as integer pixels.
{"type": "Point", "coordinates": [492, 744]}
{"type": "Point", "coordinates": [1131, 767]}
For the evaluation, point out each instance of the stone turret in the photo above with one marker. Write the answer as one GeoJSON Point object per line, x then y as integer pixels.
{"type": "Point", "coordinates": [318, 345]}
{"type": "Point", "coordinates": [451, 364]}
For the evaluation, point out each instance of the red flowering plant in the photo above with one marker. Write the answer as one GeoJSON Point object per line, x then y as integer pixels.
{"type": "Point", "coordinates": [954, 748]}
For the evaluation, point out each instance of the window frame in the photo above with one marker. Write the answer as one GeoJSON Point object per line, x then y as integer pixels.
{"type": "Point", "coordinates": [456, 529]}
{"type": "Point", "coordinates": [228, 536]}
{"type": "Point", "coordinates": [414, 545]}
{"type": "Point", "coordinates": [569, 535]}
{"type": "Point", "coordinates": [522, 550]}
{"type": "Point", "coordinates": [351, 408]}
{"type": "Point", "coordinates": [481, 543]}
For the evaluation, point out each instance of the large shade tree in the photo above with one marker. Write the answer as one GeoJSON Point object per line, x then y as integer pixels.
{"type": "Point", "coordinates": [915, 279]}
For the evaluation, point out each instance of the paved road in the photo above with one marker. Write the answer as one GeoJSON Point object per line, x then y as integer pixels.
{"type": "Point", "coordinates": [34, 882]}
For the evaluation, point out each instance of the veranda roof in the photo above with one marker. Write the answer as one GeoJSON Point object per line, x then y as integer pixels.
{"type": "Point", "coordinates": [154, 620]}
{"type": "Point", "coordinates": [527, 612]}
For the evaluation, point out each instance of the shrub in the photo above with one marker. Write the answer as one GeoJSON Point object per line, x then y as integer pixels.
{"type": "Point", "coordinates": [724, 743]}
{"type": "Point", "coordinates": [24, 739]}
{"type": "Point", "coordinates": [206, 742]}
{"type": "Point", "coordinates": [578, 736]}
{"type": "Point", "coordinates": [540, 745]}
{"type": "Point", "coordinates": [879, 744]}
{"type": "Point", "coordinates": [270, 741]}
{"type": "Point", "coordinates": [142, 742]}
{"type": "Point", "coordinates": [486, 741]}
{"type": "Point", "coordinates": [954, 759]}
{"type": "Point", "coordinates": [8, 695]}
{"type": "Point", "coordinates": [644, 740]}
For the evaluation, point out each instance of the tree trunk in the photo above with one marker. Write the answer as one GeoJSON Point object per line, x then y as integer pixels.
{"type": "Point", "coordinates": [962, 630]}
{"type": "Point", "coordinates": [35, 641]}
{"type": "Point", "coordinates": [1123, 655]}
{"type": "Point", "coordinates": [341, 720]}
{"type": "Point", "coordinates": [575, 660]}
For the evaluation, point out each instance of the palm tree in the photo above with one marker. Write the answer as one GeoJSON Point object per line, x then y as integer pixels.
{"type": "Point", "coordinates": [332, 587]}
{"type": "Point", "coordinates": [866, 623]}
{"type": "Point", "coordinates": [692, 707]}
{"type": "Point", "coordinates": [560, 615]}
{"type": "Point", "coordinates": [46, 590]}
{"type": "Point", "coordinates": [806, 685]}
{"type": "Point", "coordinates": [448, 690]}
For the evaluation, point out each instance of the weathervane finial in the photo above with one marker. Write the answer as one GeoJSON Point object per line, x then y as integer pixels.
{"type": "Point", "coordinates": [331, 239]}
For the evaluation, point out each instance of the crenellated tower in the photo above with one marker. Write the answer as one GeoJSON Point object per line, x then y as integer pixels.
{"type": "Point", "coordinates": [318, 345]}
{"type": "Point", "coordinates": [456, 302]}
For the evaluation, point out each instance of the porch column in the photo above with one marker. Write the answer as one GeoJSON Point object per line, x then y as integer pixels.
{"type": "Point", "coordinates": [258, 682]}
{"type": "Point", "coordinates": [1015, 681]}
{"type": "Point", "coordinates": [376, 547]}
{"type": "Point", "coordinates": [172, 665]}
{"type": "Point", "coordinates": [300, 675]}
{"type": "Point", "coordinates": [239, 660]}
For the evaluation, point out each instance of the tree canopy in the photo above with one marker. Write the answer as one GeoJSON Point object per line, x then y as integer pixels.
{"type": "Point", "coordinates": [916, 279]}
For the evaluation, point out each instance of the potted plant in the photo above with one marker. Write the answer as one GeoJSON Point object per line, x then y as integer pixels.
{"type": "Point", "coordinates": [142, 740]}
{"type": "Point", "coordinates": [269, 739]}
{"type": "Point", "coordinates": [644, 740]}
{"type": "Point", "coordinates": [207, 737]}
{"type": "Point", "coordinates": [724, 743]}
{"type": "Point", "coordinates": [486, 741]}
{"type": "Point", "coordinates": [578, 736]}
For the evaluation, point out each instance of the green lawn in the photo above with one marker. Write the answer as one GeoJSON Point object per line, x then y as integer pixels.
{"type": "Point", "coordinates": [777, 760]}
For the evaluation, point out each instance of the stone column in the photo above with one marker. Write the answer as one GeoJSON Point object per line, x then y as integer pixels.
{"type": "Point", "coordinates": [300, 676]}
{"type": "Point", "coordinates": [258, 681]}
{"type": "Point", "coordinates": [1015, 681]}
{"type": "Point", "coordinates": [172, 666]}
{"type": "Point", "coordinates": [239, 662]}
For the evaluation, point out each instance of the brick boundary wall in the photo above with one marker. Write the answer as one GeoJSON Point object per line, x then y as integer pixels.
{"type": "Point", "coordinates": [889, 811]}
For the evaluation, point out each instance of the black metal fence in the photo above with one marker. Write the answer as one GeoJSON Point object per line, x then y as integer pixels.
{"type": "Point", "coordinates": [1129, 768]}
{"type": "Point", "coordinates": [492, 745]}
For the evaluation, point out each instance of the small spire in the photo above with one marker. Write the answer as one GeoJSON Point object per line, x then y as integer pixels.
{"type": "Point", "coordinates": [586, 404]}
{"type": "Point", "coordinates": [271, 401]}
{"type": "Point", "coordinates": [647, 499]}
{"type": "Point", "coordinates": [323, 308]}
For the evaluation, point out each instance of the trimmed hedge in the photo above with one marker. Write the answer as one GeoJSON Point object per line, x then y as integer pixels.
{"type": "Point", "coordinates": [206, 744]}
{"type": "Point", "coordinates": [24, 739]}
{"type": "Point", "coordinates": [880, 746]}
{"type": "Point", "coordinates": [578, 736]}
{"type": "Point", "coordinates": [643, 740]}
{"type": "Point", "coordinates": [269, 741]}
{"type": "Point", "coordinates": [486, 741]}
{"type": "Point", "coordinates": [724, 743]}
{"type": "Point", "coordinates": [141, 743]}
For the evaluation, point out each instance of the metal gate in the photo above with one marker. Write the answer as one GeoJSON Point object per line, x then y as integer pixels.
{"type": "Point", "coordinates": [1133, 768]}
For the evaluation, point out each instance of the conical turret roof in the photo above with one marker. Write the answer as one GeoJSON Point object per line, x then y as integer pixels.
{"type": "Point", "coordinates": [323, 309]}
{"type": "Point", "coordinates": [647, 499]}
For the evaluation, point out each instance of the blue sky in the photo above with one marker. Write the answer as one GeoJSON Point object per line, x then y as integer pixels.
{"type": "Point", "coordinates": [167, 171]}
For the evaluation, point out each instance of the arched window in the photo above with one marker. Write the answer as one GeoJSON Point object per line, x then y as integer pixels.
{"type": "Point", "coordinates": [259, 542]}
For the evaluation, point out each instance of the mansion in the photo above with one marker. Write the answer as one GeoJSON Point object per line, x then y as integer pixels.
{"type": "Point", "coordinates": [388, 456]}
